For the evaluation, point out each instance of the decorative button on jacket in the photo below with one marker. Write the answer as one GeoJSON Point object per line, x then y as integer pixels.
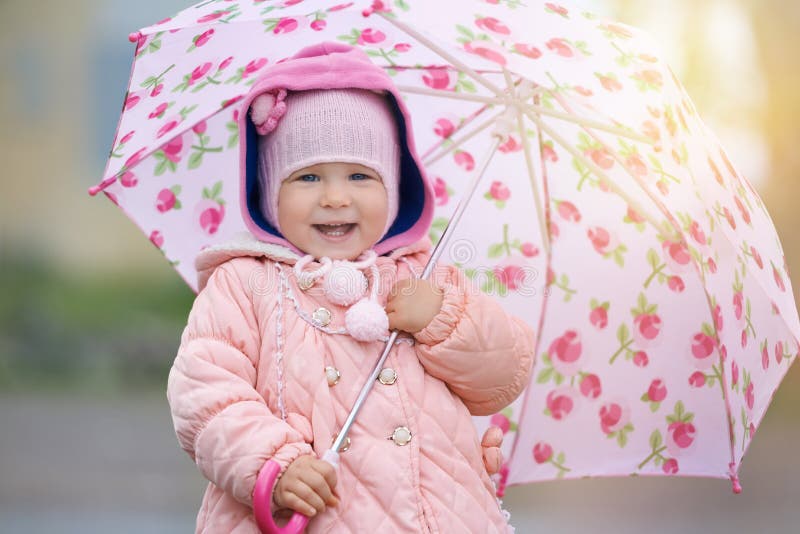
{"type": "Point", "coordinates": [401, 436]}
{"type": "Point", "coordinates": [387, 376]}
{"type": "Point", "coordinates": [332, 375]}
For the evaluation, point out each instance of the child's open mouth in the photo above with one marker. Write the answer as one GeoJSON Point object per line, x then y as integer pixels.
{"type": "Point", "coordinates": [335, 231]}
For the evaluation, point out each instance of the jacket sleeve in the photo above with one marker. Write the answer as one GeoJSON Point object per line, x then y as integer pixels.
{"type": "Point", "coordinates": [482, 353]}
{"type": "Point", "coordinates": [220, 419]}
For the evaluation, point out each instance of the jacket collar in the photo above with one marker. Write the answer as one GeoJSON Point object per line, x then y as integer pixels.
{"type": "Point", "coordinates": [245, 244]}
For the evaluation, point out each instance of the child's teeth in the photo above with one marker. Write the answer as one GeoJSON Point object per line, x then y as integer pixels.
{"type": "Point", "coordinates": [334, 230]}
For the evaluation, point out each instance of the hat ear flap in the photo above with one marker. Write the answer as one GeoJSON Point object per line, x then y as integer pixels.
{"type": "Point", "coordinates": [267, 109]}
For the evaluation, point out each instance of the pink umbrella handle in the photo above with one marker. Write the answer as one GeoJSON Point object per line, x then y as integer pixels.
{"type": "Point", "coordinates": [262, 497]}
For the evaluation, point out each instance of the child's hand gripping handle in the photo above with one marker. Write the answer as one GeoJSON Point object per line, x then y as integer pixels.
{"type": "Point", "coordinates": [262, 497]}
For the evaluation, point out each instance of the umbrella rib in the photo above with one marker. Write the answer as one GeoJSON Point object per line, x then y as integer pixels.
{"type": "Point", "coordinates": [510, 83]}
{"type": "Point", "coordinates": [455, 144]}
{"type": "Point", "coordinates": [670, 220]}
{"type": "Point", "coordinates": [586, 122]}
{"type": "Point", "coordinates": [544, 228]}
{"type": "Point", "coordinates": [460, 208]}
{"type": "Point", "coordinates": [673, 228]}
{"type": "Point", "coordinates": [591, 123]}
{"type": "Point", "coordinates": [545, 295]}
{"type": "Point", "coordinates": [526, 148]}
{"type": "Point", "coordinates": [582, 121]}
{"type": "Point", "coordinates": [666, 229]}
{"type": "Point", "coordinates": [460, 65]}
{"type": "Point", "coordinates": [451, 95]}
{"type": "Point", "coordinates": [539, 109]}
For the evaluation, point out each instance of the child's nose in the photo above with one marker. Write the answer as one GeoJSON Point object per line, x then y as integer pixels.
{"type": "Point", "coordinates": [335, 196]}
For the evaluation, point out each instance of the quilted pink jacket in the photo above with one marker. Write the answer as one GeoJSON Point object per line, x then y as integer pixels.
{"type": "Point", "coordinates": [249, 385]}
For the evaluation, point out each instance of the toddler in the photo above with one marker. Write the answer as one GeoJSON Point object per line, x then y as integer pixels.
{"type": "Point", "coordinates": [292, 317]}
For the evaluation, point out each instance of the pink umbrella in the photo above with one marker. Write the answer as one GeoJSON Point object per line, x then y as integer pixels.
{"type": "Point", "coordinates": [608, 215]}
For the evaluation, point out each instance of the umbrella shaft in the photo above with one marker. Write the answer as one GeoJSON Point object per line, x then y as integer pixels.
{"type": "Point", "coordinates": [364, 392]}
{"type": "Point", "coordinates": [460, 208]}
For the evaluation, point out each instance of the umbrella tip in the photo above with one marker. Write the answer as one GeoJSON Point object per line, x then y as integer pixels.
{"type": "Point", "coordinates": [737, 488]}
{"type": "Point", "coordinates": [134, 37]}
{"type": "Point", "coordinates": [102, 185]}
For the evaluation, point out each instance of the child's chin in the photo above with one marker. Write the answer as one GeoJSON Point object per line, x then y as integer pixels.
{"type": "Point", "coordinates": [348, 249]}
{"type": "Point", "coordinates": [344, 251]}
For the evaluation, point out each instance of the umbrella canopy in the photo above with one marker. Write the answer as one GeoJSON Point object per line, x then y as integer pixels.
{"type": "Point", "coordinates": [610, 217]}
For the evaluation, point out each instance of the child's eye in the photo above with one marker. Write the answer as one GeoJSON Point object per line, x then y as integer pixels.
{"type": "Point", "coordinates": [359, 176]}
{"type": "Point", "coordinates": [308, 178]}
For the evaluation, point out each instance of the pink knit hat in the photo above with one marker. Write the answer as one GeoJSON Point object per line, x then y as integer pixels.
{"type": "Point", "coordinates": [318, 126]}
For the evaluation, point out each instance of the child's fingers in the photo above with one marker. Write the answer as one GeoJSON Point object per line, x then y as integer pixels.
{"type": "Point", "coordinates": [319, 484]}
{"type": "Point", "coordinates": [293, 502]}
{"type": "Point", "coordinates": [328, 472]}
{"type": "Point", "coordinates": [302, 498]}
{"type": "Point", "coordinates": [492, 459]}
{"type": "Point", "coordinates": [493, 437]}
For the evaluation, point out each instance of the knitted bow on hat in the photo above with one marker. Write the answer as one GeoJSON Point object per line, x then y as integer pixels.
{"type": "Point", "coordinates": [267, 109]}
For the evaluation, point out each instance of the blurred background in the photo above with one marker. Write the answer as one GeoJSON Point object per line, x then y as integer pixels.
{"type": "Point", "coordinates": [91, 314]}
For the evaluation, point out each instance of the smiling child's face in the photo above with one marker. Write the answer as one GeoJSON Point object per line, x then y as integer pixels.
{"type": "Point", "coordinates": [336, 209]}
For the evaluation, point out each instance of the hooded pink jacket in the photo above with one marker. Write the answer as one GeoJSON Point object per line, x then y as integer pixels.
{"type": "Point", "coordinates": [249, 382]}
{"type": "Point", "coordinates": [250, 342]}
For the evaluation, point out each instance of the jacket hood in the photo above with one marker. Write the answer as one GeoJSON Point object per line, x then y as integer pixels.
{"type": "Point", "coordinates": [336, 66]}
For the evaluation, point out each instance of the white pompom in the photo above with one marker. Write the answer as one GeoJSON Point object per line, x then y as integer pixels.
{"type": "Point", "coordinates": [366, 320]}
{"type": "Point", "coordinates": [344, 284]}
